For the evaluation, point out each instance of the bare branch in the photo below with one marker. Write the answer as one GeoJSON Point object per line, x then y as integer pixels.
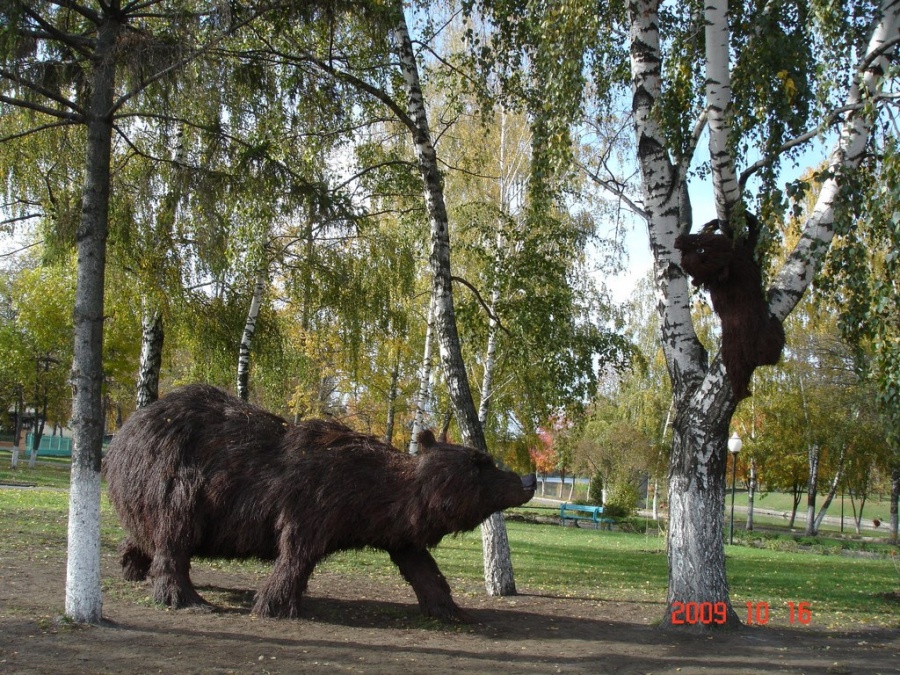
{"type": "Point", "coordinates": [43, 127]}
{"type": "Point", "coordinates": [79, 43]}
{"type": "Point", "coordinates": [493, 317]}
{"type": "Point", "coordinates": [72, 118]}
{"type": "Point", "coordinates": [19, 250]}
{"type": "Point", "coordinates": [43, 91]}
{"type": "Point", "coordinates": [87, 13]}
{"type": "Point", "coordinates": [615, 188]}
{"type": "Point", "coordinates": [18, 219]}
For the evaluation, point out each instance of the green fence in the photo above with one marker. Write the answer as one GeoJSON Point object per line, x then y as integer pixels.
{"type": "Point", "coordinates": [51, 446]}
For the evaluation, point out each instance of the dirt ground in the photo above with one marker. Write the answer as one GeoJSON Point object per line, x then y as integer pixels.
{"type": "Point", "coordinates": [371, 625]}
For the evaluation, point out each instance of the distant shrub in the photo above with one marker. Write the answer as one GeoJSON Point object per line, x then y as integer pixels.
{"type": "Point", "coordinates": [595, 493]}
{"type": "Point", "coordinates": [621, 500]}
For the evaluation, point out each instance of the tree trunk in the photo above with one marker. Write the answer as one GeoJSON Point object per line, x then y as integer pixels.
{"type": "Point", "coordinates": [498, 571]}
{"type": "Point", "coordinates": [812, 487]}
{"type": "Point", "coordinates": [751, 495]}
{"type": "Point", "coordinates": [697, 488]}
{"type": "Point", "coordinates": [858, 513]}
{"type": "Point", "coordinates": [83, 591]}
{"type": "Point", "coordinates": [831, 493]}
{"type": "Point", "coordinates": [895, 494]}
{"type": "Point", "coordinates": [490, 359]}
{"type": "Point", "coordinates": [152, 336]}
{"type": "Point", "coordinates": [424, 382]}
{"type": "Point", "coordinates": [797, 496]}
{"type": "Point", "coordinates": [392, 399]}
{"type": "Point", "coordinates": [243, 369]}
{"type": "Point", "coordinates": [718, 96]}
{"type": "Point", "coordinates": [703, 400]}
{"type": "Point", "coordinates": [39, 421]}
{"type": "Point", "coordinates": [20, 412]}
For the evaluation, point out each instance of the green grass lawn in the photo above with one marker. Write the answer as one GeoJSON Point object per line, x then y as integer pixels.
{"type": "Point", "coordinates": [841, 590]}
{"type": "Point", "coordinates": [47, 472]}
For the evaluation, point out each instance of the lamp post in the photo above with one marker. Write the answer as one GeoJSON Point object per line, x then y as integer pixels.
{"type": "Point", "coordinates": [734, 447]}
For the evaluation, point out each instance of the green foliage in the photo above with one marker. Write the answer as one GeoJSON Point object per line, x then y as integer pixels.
{"type": "Point", "coordinates": [861, 274]}
{"type": "Point", "coordinates": [622, 500]}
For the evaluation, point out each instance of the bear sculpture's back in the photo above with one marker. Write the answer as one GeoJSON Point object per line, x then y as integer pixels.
{"type": "Point", "coordinates": [201, 472]}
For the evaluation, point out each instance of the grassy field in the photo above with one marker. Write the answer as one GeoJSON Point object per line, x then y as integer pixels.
{"type": "Point", "coordinates": [842, 588]}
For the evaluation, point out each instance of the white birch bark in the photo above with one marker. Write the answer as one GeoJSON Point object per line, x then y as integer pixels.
{"type": "Point", "coordinates": [499, 579]}
{"type": "Point", "coordinates": [703, 403]}
{"type": "Point", "coordinates": [243, 369]}
{"type": "Point", "coordinates": [150, 364]}
{"type": "Point", "coordinates": [424, 382]}
{"type": "Point", "coordinates": [490, 354]}
{"type": "Point", "coordinates": [490, 359]}
{"type": "Point", "coordinates": [439, 260]}
{"type": "Point", "coordinates": [444, 313]}
{"type": "Point", "coordinates": [718, 100]}
{"type": "Point", "coordinates": [83, 591]}
{"type": "Point", "coordinates": [812, 487]}
{"type": "Point", "coordinates": [806, 259]}
{"type": "Point", "coordinates": [831, 493]}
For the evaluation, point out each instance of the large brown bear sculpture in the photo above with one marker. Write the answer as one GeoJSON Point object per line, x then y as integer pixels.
{"type": "Point", "coordinates": [202, 473]}
{"type": "Point", "coordinates": [751, 336]}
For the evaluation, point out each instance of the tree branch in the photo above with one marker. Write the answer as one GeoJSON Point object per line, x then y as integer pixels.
{"type": "Point", "coordinates": [87, 13]}
{"type": "Point", "coordinates": [43, 127]}
{"type": "Point", "coordinates": [19, 250]}
{"type": "Point", "coordinates": [18, 219]}
{"type": "Point", "coordinates": [615, 188]}
{"type": "Point", "coordinates": [71, 118]}
{"type": "Point", "coordinates": [493, 317]}
{"type": "Point", "coordinates": [122, 100]}
{"type": "Point", "coordinates": [43, 91]}
{"type": "Point", "coordinates": [79, 43]}
{"type": "Point", "coordinates": [373, 91]}
{"type": "Point", "coordinates": [832, 119]}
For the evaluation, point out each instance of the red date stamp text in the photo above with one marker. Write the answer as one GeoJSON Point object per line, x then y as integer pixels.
{"type": "Point", "coordinates": [707, 613]}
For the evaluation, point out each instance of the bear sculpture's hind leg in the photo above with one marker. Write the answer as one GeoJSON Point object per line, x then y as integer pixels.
{"type": "Point", "coordinates": [432, 590]}
{"type": "Point", "coordinates": [283, 590]}
{"type": "Point", "coordinates": [172, 581]}
{"type": "Point", "coordinates": [135, 563]}
{"type": "Point", "coordinates": [174, 540]}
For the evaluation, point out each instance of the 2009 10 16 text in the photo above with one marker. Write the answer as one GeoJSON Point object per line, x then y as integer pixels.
{"type": "Point", "coordinates": [717, 613]}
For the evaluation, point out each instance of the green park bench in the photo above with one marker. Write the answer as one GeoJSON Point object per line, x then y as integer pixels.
{"type": "Point", "coordinates": [578, 513]}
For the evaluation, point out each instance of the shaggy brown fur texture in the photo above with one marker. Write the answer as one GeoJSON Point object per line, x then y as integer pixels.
{"type": "Point", "coordinates": [201, 472]}
{"type": "Point", "coordinates": [751, 336]}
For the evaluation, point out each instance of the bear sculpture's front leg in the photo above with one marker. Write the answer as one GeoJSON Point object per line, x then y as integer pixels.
{"type": "Point", "coordinates": [432, 590]}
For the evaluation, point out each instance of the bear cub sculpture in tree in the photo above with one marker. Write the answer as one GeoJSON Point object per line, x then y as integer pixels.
{"type": "Point", "coordinates": [202, 473]}
{"type": "Point", "coordinates": [751, 336]}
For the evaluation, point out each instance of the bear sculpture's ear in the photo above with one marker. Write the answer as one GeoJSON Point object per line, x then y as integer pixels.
{"type": "Point", "coordinates": [427, 439]}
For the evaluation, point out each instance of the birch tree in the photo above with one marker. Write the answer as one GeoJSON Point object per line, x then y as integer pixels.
{"type": "Point", "coordinates": [704, 405]}
{"type": "Point", "coordinates": [499, 578]}
{"type": "Point", "coordinates": [95, 74]}
{"type": "Point", "coordinates": [765, 76]}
